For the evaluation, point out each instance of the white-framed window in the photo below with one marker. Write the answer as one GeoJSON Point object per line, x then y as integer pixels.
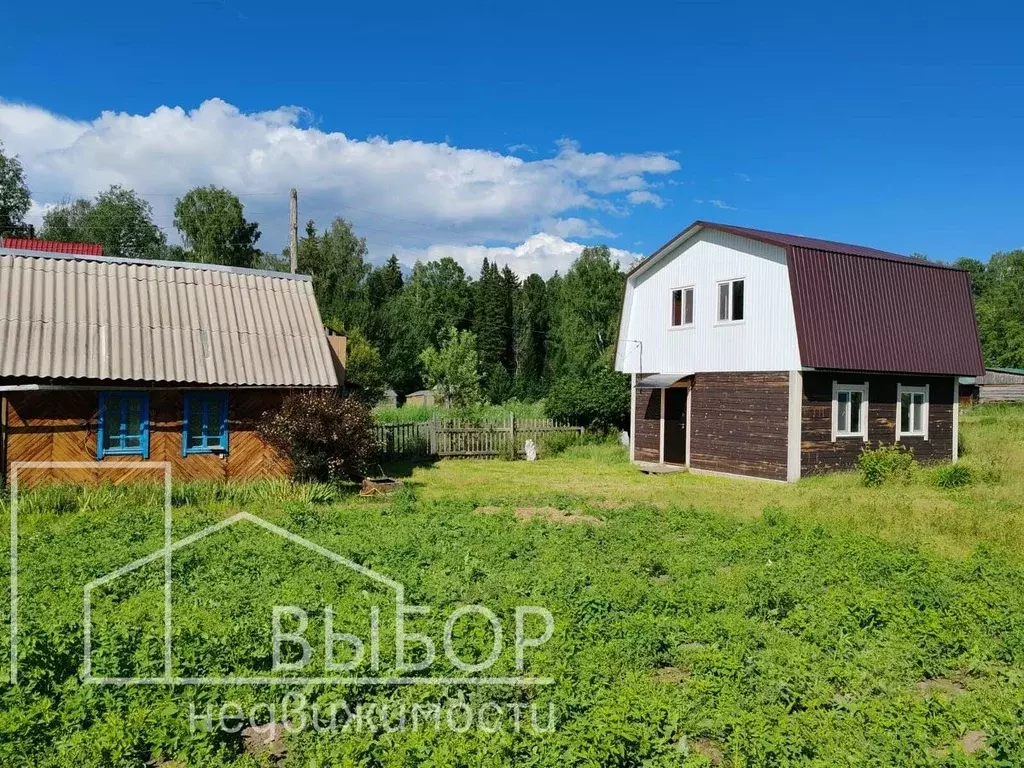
{"type": "Point", "coordinates": [682, 307]}
{"type": "Point", "coordinates": [849, 410]}
{"type": "Point", "coordinates": [911, 411]}
{"type": "Point", "coordinates": [730, 301]}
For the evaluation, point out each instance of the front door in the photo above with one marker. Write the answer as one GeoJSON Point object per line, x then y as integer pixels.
{"type": "Point", "coordinates": [675, 425]}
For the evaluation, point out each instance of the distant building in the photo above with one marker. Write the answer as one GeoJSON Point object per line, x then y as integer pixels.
{"type": "Point", "coordinates": [995, 386]}
{"type": "Point", "coordinates": [390, 398]}
{"type": "Point", "coordinates": [420, 397]}
{"type": "Point", "coordinates": [777, 356]}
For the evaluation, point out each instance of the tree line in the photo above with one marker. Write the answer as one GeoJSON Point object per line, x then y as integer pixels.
{"type": "Point", "coordinates": [487, 337]}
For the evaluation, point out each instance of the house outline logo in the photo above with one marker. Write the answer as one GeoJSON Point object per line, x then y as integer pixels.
{"type": "Point", "coordinates": [165, 553]}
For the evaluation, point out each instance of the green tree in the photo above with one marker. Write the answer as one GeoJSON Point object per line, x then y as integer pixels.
{"type": "Point", "coordinates": [452, 371]}
{"type": "Point", "coordinates": [213, 228]}
{"type": "Point", "coordinates": [14, 195]}
{"type": "Point", "coordinates": [531, 329]}
{"type": "Point", "coordinates": [364, 371]}
{"type": "Point", "coordinates": [119, 220]}
{"type": "Point", "coordinates": [336, 261]}
{"type": "Point", "coordinates": [587, 305]}
{"type": "Point", "coordinates": [999, 307]}
{"type": "Point", "coordinates": [598, 398]}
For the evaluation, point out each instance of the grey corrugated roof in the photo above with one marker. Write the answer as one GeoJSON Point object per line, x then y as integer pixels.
{"type": "Point", "coordinates": [100, 318]}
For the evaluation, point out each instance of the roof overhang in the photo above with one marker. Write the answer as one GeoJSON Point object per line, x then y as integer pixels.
{"type": "Point", "coordinates": [661, 380]}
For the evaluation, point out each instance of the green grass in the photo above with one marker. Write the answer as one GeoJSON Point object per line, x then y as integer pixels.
{"type": "Point", "coordinates": [824, 623]}
{"type": "Point", "coordinates": [408, 413]}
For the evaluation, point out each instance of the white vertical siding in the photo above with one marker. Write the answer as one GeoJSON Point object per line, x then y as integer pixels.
{"type": "Point", "coordinates": [766, 339]}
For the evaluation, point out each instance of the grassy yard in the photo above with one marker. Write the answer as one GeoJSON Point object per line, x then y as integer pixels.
{"type": "Point", "coordinates": [698, 621]}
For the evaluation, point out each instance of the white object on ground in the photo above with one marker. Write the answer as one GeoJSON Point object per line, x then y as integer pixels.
{"type": "Point", "coordinates": [531, 450]}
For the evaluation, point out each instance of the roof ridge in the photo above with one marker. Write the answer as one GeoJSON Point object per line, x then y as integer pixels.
{"type": "Point", "coordinates": [31, 254]}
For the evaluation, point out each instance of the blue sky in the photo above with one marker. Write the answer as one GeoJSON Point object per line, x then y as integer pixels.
{"type": "Point", "coordinates": [895, 125]}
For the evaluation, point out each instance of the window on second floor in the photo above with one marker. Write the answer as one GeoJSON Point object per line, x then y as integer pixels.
{"type": "Point", "coordinates": [205, 423]}
{"type": "Point", "coordinates": [682, 307]}
{"type": "Point", "coordinates": [730, 301]}
{"type": "Point", "coordinates": [123, 424]}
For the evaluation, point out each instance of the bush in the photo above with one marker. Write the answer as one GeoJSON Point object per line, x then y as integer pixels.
{"type": "Point", "coordinates": [887, 463]}
{"type": "Point", "coordinates": [598, 399]}
{"type": "Point", "coordinates": [555, 443]}
{"type": "Point", "coordinates": [954, 476]}
{"type": "Point", "coordinates": [326, 437]}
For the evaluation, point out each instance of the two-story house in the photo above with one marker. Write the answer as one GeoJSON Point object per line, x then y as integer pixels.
{"type": "Point", "coordinates": [775, 356]}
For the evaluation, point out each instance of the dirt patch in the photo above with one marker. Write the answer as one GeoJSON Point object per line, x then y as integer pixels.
{"type": "Point", "coordinates": [710, 750]}
{"type": "Point", "coordinates": [945, 685]}
{"type": "Point", "coordinates": [549, 514]}
{"type": "Point", "coordinates": [974, 741]}
{"type": "Point", "coordinates": [671, 675]}
{"type": "Point", "coordinates": [267, 740]}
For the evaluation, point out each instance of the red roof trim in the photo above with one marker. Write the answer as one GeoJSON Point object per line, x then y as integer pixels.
{"type": "Point", "coordinates": [53, 246]}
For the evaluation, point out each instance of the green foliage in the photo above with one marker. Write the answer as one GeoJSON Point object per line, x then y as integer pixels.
{"type": "Point", "coordinates": [325, 436]}
{"type": "Point", "coordinates": [954, 476]}
{"type": "Point", "coordinates": [774, 641]}
{"type": "Point", "coordinates": [452, 371]}
{"type": "Point", "coordinates": [556, 443]}
{"type": "Point", "coordinates": [118, 219]}
{"type": "Point", "coordinates": [364, 370]}
{"type": "Point", "coordinates": [15, 199]}
{"type": "Point", "coordinates": [598, 399]}
{"type": "Point", "coordinates": [998, 288]}
{"type": "Point", "coordinates": [336, 260]}
{"type": "Point", "coordinates": [482, 412]}
{"type": "Point", "coordinates": [213, 228]}
{"type": "Point", "coordinates": [887, 464]}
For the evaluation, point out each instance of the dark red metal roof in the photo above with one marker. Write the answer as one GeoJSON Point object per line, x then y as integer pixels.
{"type": "Point", "coordinates": [862, 309]}
{"type": "Point", "coordinates": [53, 246]}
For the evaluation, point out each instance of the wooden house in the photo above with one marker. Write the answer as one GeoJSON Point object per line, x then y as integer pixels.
{"type": "Point", "coordinates": [997, 385]}
{"type": "Point", "coordinates": [106, 360]}
{"type": "Point", "coordinates": [777, 356]}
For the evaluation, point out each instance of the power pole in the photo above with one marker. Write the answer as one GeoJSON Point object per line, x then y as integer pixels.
{"type": "Point", "coordinates": [293, 229]}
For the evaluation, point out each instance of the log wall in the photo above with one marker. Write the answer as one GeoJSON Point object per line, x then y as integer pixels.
{"type": "Point", "coordinates": [819, 454]}
{"type": "Point", "coordinates": [647, 425]}
{"type": "Point", "coordinates": [62, 426]}
{"type": "Point", "coordinates": [739, 423]}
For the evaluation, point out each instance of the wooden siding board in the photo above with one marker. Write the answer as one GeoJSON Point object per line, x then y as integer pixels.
{"type": "Point", "coordinates": [739, 423]}
{"type": "Point", "coordinates": [61, 426]}
{"type": "Point", "coordinates": [820, 454]}
{"type": "Point", "coordinates": [647, 425]}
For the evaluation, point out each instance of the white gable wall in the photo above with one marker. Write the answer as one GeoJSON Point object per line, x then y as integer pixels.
{"type": "Point", "coordinates": [764, 341]}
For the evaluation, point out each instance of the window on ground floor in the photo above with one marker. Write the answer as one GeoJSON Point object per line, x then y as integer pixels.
{"type": "Point", "coordinates": [205, 423]}
{"type": "Point", "coordinates": [123, 424]}
{"type": "Point", "coordinates": [849, 410]}
{"type": "Point", "coordinates": [912, 412]}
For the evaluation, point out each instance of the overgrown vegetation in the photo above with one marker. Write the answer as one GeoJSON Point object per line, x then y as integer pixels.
{"type": "Point", "coordinates": [893, 463]}
{"type": "Point", "coordinates": [326, 437]}
{"type": "Point", "coordinates": [482, 412]}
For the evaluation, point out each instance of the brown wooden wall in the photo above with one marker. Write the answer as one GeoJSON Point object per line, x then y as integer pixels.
{"type": "Point", "coordinates": [819, 454]}
{"type": "Point", "coordinates": [61, 426]}
{"type": "Point", "coordinates": [647, 425]}
{"type": "Point", "coordinates": [739, 423]}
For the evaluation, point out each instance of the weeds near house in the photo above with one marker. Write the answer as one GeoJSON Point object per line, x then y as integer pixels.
{"type": "Point", "coordinates": [887, 464]}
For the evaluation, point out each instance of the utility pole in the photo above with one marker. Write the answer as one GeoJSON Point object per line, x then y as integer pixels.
{"type": "Point", "coordinates": [293, 229]}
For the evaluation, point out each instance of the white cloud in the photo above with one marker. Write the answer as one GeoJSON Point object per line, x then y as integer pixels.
{"type": "Point", "coordinates": [541, 253]}
{"type": "Point", "coordinates": [724, 206]}
{"type": "Point", "coordinates": [743, 177]}
{"type": "Point", "coordinates": [641, 196]}
{"type": "Point", "coordinates": [401, 194]}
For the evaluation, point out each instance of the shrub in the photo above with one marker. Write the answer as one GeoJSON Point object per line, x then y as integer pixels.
{"type": "Point", "coordinates": [887, 463]}
{"type": "Point", "coordinates": [598, 399]}
{"type": "Point", "coordinates": [954, 476]}
{"type": "Point", "coordinates": [554, 443]}
{"type": "Point", "coordinates": [325, 436]}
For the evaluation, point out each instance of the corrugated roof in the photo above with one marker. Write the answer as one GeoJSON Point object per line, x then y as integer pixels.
{"type": "Point", "coordinates": [863, 309]}
{"type": "Point", "coordinates": [53, 246]}
{"type": "Point", "coordinates": [111, 319]}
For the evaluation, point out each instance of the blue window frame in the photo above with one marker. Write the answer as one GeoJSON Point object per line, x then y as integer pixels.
{"type": "Point", "coordinates": [205, 425]}
{"type": "Point", "coordinates": [123, 424]}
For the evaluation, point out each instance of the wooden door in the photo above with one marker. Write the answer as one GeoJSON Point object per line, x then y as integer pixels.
{"type": "Point", "coordinates": [675, 425]}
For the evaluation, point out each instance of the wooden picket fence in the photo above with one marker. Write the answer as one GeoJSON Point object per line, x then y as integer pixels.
{"type": "Point", "coordinates": [463, 437]}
